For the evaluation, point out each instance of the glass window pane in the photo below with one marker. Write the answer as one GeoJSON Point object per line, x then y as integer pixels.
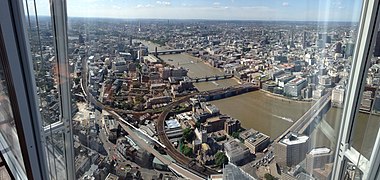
{"type": "Point", "coordinates": [267, 82]}
{"type": "Point", "coordinates": [9, 141]}
{"type": "Point", "coordinates": [46, 69]}
{"type": "Point", "coordinates": [366, 123]}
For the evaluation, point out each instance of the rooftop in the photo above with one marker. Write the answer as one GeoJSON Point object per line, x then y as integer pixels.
{"type": "Point", "coordinates": [318, 151]}
{"type": "Point", "coordinates": [172, 123]}
{"type": "Point", "coordinates": [247, 133]}
{"type": "Point", "coordinates": [157, 161]}
{"type": "Point", "coordinates": [111, 177]}
{"type": "Point", "coordinates": [293, 138]}
{"type": "Point", "coordinates": [234, 147]}
{"type": "Point", "coordinates": [297, 81]}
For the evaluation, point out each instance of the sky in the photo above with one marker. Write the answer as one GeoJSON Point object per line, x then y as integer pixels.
{"type": "Point", "coordinates": [298, 10]}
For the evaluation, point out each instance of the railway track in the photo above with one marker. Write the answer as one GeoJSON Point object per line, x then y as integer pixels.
{"type": "Point", "coordinates": [170, 150]}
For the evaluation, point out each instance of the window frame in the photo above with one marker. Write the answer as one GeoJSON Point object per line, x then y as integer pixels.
{"type": "Point", "coordinates": [367, 32]}
{"type": "Point", "coordinates": [31, 133]}
{"type": "Point", "coordinates": [21, 87]}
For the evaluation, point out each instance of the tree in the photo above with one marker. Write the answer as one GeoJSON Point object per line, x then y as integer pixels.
{"type": "Point", "coordinates": [198, 124]}
{"type": "Point", "coordinates": [268, 176]}
{"type": "Point", "coordinates": [126, 105]}
{"type": "Point", "coordinates": [76, 80]}
{"type": "Point", "coordinates": [188, 135]}
{"type": "Point", "coordinates": [139, 99]}
{"type": "Point", "coordinates": [187, 151]}
{"type": "Point", "coordinates": [235, 135]}
{"type": "Point", "coordinates": [220, 159]}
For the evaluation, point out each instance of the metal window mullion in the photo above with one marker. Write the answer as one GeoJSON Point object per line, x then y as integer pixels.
{"type": "Point", "coordinates": [59, 20]}
{"type": "Point", "coordinates": [54, 128]}
{"type": "Point", "coordinates": [353, 156]}
{"type": "Point", "coordinates": [363, 52]}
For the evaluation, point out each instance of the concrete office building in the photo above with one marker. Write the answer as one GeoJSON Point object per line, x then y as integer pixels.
{"type": "Point", "coordinates": [337, 96]}
{"type": "Point", "coordinates": [325, 80]}
{"type": "Point", "coordinates": [293, 87]}
{"type": "Point", "coordinates": [119, 65]}
{"type": "Point", "coordinates": [318, 158]}
{"type": "Point", "coordinates": [236, 152]}
{"type": "Point", "coordinates": [291, 149]}
{"type": "Point", "coordinates": [257, 142]}
{"type": "Point", "coordinates": [283, 79]}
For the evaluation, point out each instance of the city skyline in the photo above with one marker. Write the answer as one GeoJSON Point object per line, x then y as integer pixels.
{"type": "Point", "coordinates": [272, 10]}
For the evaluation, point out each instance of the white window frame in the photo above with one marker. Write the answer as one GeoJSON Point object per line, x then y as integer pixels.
{"type": "Point", "coordinates": [368, 27]}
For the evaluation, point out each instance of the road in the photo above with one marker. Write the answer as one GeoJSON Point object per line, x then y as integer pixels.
{"type": "Point", "coordinates": [308, 117]}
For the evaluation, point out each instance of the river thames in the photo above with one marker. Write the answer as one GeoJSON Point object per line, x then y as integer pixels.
{"type": "Point", "coordinates": [271, 114]}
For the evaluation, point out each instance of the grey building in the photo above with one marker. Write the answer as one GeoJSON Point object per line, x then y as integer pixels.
{"type": "Point", "coordinates": [293, 87]}
{"type": "Point", "coordinates": [318, 158]}
{"type": "Point", "coordinates": [291, 149]}
{"type": "Point", "coordinates": [337, 96]}
{"type": "Point", "coordinates": [236, 152]}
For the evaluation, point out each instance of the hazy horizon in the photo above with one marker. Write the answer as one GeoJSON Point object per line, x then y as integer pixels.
{"type": "Point", "coordinates": [245, 10]}
{"type": "Point", "coordinates": [226, 20]}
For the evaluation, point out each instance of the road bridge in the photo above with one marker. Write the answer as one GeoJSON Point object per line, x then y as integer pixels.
{"type": "Point", "coordinates": [305, 124]}
{"type": "Point", "coordinates": [211, 78]}
{"type": "Point", "coordinates": [169, 51]}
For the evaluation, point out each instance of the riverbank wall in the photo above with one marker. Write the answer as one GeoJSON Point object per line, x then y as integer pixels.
{"type": "Point", "coordinates": [228, 92]}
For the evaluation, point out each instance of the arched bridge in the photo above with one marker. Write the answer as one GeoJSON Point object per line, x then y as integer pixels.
{"type": "Point", "coordinates": [212, 78]}
{"type": "Point", "coordinates": [169, 51]}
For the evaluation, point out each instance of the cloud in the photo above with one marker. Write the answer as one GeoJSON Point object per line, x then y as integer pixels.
{"type": "Point", "coordinates": [164, 3]}
{"type": "Point", "coordinates": [285, 4]}
{"type": "Point", "coordinates": [116, 7]}
{"type": "Point", "coordinates": [144, 6]}
{"type": "Point", "coordinates": [216, 3]}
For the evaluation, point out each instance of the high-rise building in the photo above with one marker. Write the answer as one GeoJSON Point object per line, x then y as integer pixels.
{"type": "Point", "coordinates": [349, 49]}
{"type": "Point", "coordinates": [338, 47]}
{"type": "Point", "coordinates": [318, 158]}
{"type": "Point", "coordinates": [291, 149]}
{"type": "Point", "coordinates": [81, 39]}
{"type": "Point", "coordinates": [304, 39]}
{"type": "Point", "coordinates": [337, 96]}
